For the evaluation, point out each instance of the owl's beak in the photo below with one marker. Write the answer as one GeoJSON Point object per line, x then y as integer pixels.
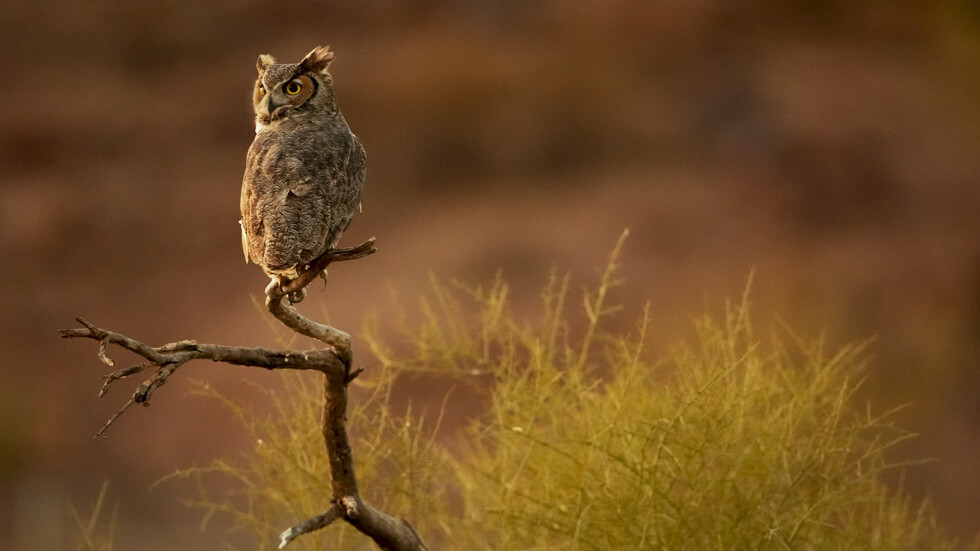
{"type": "Point", "coordinates": [268, 107]}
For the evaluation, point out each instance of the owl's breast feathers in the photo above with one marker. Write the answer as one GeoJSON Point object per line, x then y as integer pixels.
{"type": "Point", "coordinates": [301, 188]}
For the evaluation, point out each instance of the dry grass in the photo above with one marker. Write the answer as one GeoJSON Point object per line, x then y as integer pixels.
{"type": "Point", "coordinates": [93, 531]}
{"type": "Point", "coordinates": [591, 441]}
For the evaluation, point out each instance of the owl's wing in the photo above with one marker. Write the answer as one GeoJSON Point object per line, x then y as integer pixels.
{"type": "Point", "coordinates": [255, 185]}
{"type": "Point", "coordinates": [275, 204]}
{"type": "Point", "coordinates": [244, 240]}
{"type": "Point", "coordinates": [299, 193]}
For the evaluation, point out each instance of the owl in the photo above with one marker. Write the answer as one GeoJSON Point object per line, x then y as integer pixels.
{"type": "Point", "coordinates": [304, 172]}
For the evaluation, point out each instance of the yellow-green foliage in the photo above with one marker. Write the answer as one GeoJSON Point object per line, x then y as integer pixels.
{"type": "Point", "coordinates": [284, 478]}
{"type": "Point", "coordinates": [591, 441]}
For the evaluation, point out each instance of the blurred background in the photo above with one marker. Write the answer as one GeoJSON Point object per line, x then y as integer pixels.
{"type": "Point", "coordinates": [833, 146]}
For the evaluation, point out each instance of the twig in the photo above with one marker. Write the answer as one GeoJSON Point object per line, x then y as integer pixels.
{"type": "Point", "coordinates": [319, 264]}
{"type": "Point", "coordinates": [311, 524]}
{"type": "Point", "coordinates": [115, 416]}
{"type": "Point", "coordinates": [122, 374]}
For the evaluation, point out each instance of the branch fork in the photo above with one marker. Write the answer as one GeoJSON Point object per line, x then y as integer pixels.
{"type": "Point", "coordinates": [334, 362]}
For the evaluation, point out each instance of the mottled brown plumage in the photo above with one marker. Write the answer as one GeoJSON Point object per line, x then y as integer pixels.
{"type": "Point", "coordinates": [304, 173]}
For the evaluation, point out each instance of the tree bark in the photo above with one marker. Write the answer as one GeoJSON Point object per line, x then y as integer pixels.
{"type": "Point", "coordinates": [334, 362]}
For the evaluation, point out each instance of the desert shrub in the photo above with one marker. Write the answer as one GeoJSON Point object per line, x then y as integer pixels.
{"type": "Point", "coordinates": [590, 439]}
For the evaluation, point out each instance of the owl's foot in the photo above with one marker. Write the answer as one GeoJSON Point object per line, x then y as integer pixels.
{"type": "Point", "coordinates": [298, 296]}
{"type": "Point", "coordinates": [276, 287]}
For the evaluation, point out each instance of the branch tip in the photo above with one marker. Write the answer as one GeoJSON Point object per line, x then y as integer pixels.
{"type": "Point", "coordinates": [112, 419]}
{"type": "Point", "coordinates": [95, 330]}
{"type": "Point", "coordinates": [350, 506]}
{"type": "Point", "coordinates": [353, 375]}
{"type": "Point", "coordinates": [102, 355]}
{"type": "Point", "coordinates": [308, 525]}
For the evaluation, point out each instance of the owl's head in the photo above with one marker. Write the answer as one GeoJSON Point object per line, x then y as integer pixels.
{"type": "Point", "coordinates": [284, 89]}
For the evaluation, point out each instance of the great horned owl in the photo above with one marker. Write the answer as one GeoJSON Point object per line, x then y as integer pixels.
{"type": "Point", "coordinates": [304, 173]}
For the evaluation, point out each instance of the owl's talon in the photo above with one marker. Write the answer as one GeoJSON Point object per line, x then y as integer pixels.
{"type": "Point", "coordinates": [296, 296]}
{"type": "Point", "coordinates": [323, 276]}
{"type": "Point", "coordinates": [276, 288]}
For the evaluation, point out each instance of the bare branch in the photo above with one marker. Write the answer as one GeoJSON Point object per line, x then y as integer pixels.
{"type": "Point", "coordinates": [334, 362]}
{"type": "Point", "coordinates": [167, 358]}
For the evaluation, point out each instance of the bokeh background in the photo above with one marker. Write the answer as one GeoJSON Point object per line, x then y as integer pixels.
{"type": "Point", "coordinates": [833, 146]}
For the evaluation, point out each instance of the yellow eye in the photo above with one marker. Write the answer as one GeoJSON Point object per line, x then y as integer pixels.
{"type": "Point", "coordinates": [293, 87]}
{"type": "Point", "coordinates": [261, 90]}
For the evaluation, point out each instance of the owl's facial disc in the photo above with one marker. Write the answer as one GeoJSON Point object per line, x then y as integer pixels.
{"type": "Point", "coordinates": [277, 99]}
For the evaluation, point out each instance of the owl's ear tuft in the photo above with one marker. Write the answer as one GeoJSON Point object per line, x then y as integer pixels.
{"type": "Point", "coordinates": [264, 61]}
{"type": "Point", "coordinates": [317, 61]}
